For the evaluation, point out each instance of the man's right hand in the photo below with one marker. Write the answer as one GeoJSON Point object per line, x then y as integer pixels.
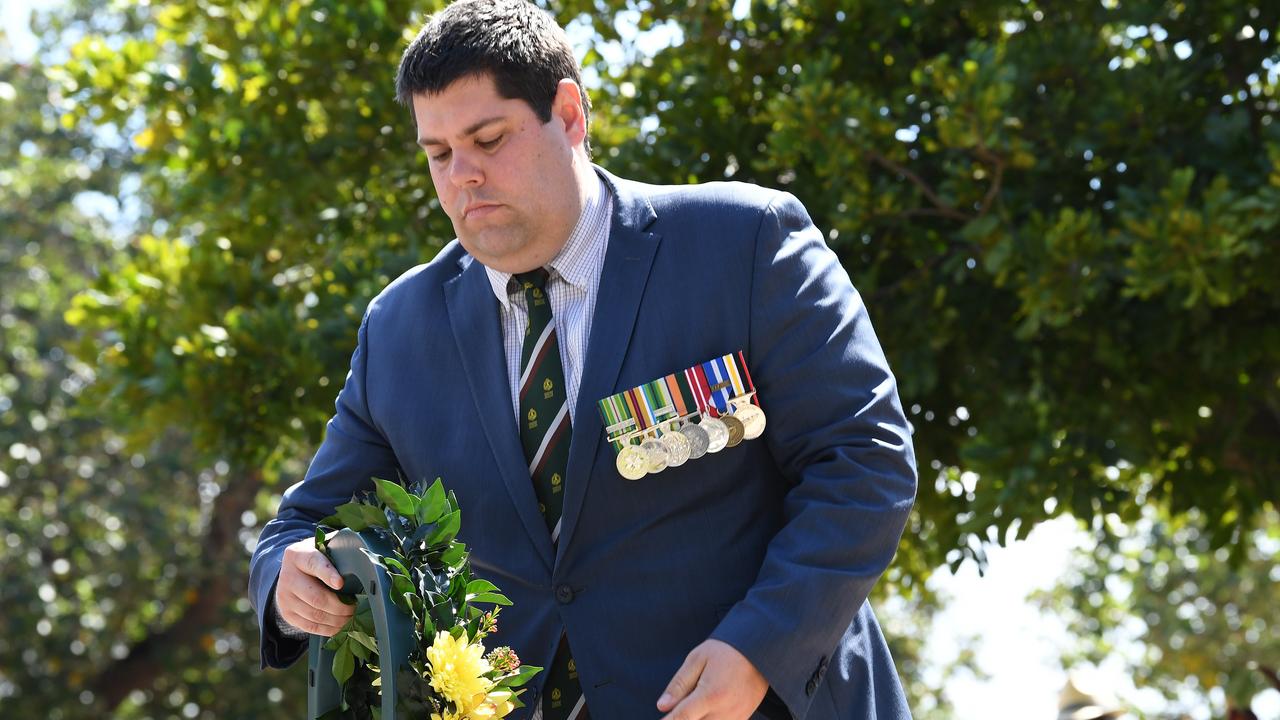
{"type": "Point", "coordinates": [303, 596]}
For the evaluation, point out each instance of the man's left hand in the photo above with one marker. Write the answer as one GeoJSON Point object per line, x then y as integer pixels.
{"type": "Point", "coordinates": [716, 682]}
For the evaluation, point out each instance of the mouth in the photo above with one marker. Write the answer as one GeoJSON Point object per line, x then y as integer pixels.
{"type": "Point", "coordinates": [478, 210]}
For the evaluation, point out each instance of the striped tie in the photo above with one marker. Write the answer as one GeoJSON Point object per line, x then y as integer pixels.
{"type": "Point", "coordinates": [544, 433]}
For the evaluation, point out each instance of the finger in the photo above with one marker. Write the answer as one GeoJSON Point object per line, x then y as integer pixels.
{"type": "Point", "coordinates": [317, 565]}
{"type": "Point", "coordinates": [694, 707]}
{"type": "Point", "coordinates": [684, 681]}
{"type": "Point", "coordinates": [299, 614]}
{"type": "Point", "coordinates": [314, 628]}
{"type": "Point", "coordinates": [316, 595]}
{"type": "Point", "coordinates": [323, 613]}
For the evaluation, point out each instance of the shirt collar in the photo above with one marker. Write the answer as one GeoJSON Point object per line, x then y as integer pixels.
{"type": "Point", "coordinates": [567, 264]}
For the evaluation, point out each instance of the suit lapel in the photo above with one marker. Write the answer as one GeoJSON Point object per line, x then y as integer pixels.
{"type": "Point", "coordinates": [627, 262]}
{"type": "Point", "coordinates": [473, 315]}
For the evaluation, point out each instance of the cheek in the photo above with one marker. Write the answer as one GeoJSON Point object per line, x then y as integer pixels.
{"type": "Point", "coordinates": [444, 192]}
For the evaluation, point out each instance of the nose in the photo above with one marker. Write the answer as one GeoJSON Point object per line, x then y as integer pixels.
{"type": "Point", "coordinates": [464, 172]}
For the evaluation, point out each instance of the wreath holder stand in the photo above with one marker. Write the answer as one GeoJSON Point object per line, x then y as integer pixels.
{"type": "Point", "coordinates": [353, 556]}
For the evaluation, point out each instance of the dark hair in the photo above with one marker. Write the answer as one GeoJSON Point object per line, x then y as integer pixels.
{"type": "Point", "coordinates": [521, 47]}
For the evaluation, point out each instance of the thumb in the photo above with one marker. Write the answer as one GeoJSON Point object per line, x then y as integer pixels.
{"type": "Point", "coordinates": [684, 681]}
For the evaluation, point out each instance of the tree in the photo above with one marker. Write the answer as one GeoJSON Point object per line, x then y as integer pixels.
{"type": "Point", "coordinates": [1062, 220]}
{"type": "Point", "coordinates": [1200, 622]}
{"type": "Point", "coordinates": [103, 524]}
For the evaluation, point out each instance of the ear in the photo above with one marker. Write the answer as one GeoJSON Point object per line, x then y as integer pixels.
{"type": "Point", "coordinates": [566, 109]}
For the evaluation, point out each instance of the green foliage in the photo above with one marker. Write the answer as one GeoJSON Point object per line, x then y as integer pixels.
{"type": "Point", "coordinates": [1198, 619]}
{"type": "Point", "coordinates": [1064, 230]}
{"type": "Point", "coordinates": [431, 583]}
{"type": "Point", "coordinates": [1061, 216]}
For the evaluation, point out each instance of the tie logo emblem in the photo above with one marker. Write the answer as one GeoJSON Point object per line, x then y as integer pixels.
{"type": "Point", "coordinates": [555, 696]}
{"type": "Point", "coordinates": [548, 389]}
{"type": "Point", "coordinates": [533, 418]}
{"type": "Point", "coordinates": [573, 666]}
{"type": "Point", "coordinates": [555, 482]}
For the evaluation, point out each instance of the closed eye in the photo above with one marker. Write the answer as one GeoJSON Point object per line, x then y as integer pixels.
{"type": "Point", "coordinates": [440, 156]}
{"type": "Point", "coordinates": [489, 144]}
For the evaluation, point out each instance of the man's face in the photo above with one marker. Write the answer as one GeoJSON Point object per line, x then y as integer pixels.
{"type": "Point", "coordinates": [505, 179]}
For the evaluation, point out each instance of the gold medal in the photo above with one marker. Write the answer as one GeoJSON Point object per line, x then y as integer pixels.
{"type": "Point", "coordinates": [736, 430]}
{"type": "Point", "coordinates": [633, 462]}
{"type": "Point", "coordinates": [752, 418]}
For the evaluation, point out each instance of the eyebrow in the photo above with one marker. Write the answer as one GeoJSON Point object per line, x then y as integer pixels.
{"type": "Point", "coordinates": [471, 130]}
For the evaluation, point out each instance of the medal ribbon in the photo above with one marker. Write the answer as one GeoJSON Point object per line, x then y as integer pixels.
{"type": "Point", "coordinates": [618, 419]}
{"type": "Point", "coordinates": [701, 392]}
{"type": "Point", "coordinates": [715, 373]}
{"type": "Point", "coordinates": [741, 365]}
{"type": "Point", "coordinates": [706, 387]}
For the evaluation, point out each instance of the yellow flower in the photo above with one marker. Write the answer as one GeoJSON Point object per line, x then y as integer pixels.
{"type": "Point", "coordinates": [495, 705]}
{"type": "Point", "coordinates": [457, 671]}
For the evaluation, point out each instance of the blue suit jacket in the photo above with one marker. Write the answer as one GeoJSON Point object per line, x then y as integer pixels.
{"type": "Point", "coordinates": [771, 546]}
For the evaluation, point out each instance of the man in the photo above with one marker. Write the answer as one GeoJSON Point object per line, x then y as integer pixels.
{"type": "Point", "coordinates": [732, 586]}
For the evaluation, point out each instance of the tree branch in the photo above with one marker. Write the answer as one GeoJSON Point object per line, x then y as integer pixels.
{"type": "Point", "coordinates": [206, 600]}
{"type": "Point", "coordinates": [943, 209]}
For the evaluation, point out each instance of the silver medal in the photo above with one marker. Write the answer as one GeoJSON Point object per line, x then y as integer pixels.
{"type": "Point", "coordinates": [657, 455]}
{"type": "Point", "coordinates": [678, 448]}
{"type": "Point", "coordinates": [698, 440]}
{"type": "Point", "coordinates": [717, 433]}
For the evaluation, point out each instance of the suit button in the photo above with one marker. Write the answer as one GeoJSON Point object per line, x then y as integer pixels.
{"type": "Point", "coordinates": [810, 686]}
{"type": "Point", "coordinates": [564, 594]}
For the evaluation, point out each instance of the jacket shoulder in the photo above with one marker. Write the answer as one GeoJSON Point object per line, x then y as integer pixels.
{"type": "Point", "coordinates": [422, 281]}
{"type": "Point", "coordinates": [710, 197]}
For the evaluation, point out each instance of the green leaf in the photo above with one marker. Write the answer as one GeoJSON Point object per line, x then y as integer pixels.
{"type": "Point", "coordinates": [448, 528]}
{"type": "Point", "coordinates": [395, 497]}
{"type": "Point", "coordinates": [479, 586]}
{"type": "Point", "coordinates": [344, 663]}
{"type": "Point", "coordinates": [394, 564]}
{"type": "Point", "coordinates": [364, 640]}
{"type": "Point", "coordinates": [351, 516]}
{"type": "Point", "coordinates": [434, 503]}
{"type": "Point", "coordinates": [522, 675]}
{"type": "Point", "coordinates": [454, 555]}
{"type": "Point", "coordinates": [373, 517]}
{"type": "Point", "coordinates": [495, 598]}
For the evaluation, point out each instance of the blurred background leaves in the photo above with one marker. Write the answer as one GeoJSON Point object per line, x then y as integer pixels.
{"type": "Point", "coordinates": [1062, 217]}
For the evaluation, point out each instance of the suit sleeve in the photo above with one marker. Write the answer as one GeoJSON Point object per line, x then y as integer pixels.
{"type": "Point", "coordinates": [353, 451]}
{"type": "Point", "coordinates": [837, 431]}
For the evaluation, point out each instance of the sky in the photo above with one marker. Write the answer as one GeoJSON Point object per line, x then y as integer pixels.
{"type": "Point", "coordinates": [1019, 646]}
{"type": "Point", "coordinates": [14, 20]}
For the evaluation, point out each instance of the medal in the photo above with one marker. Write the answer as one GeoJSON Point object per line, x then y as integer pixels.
{"type": "Point", "coordinates": [633, 463]}
{"type": "Point", "coordinates": [649, 425]}
{"type": "Point", "coordinates": [752, 418]}
{"type": "Point", "coordinates": [656, 455]}
{"type": "Point", "coordinates": [736, 430]}
{"type": "Point", "coordinates": [698, 440]}
{"type": "Point", "coordinates": [678, 448]}
{"type": "Point", "coordinates": [717, 433]}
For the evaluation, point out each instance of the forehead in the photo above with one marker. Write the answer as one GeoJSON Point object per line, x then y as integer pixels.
{"type": "Point", "coordinates": [456, 109]}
